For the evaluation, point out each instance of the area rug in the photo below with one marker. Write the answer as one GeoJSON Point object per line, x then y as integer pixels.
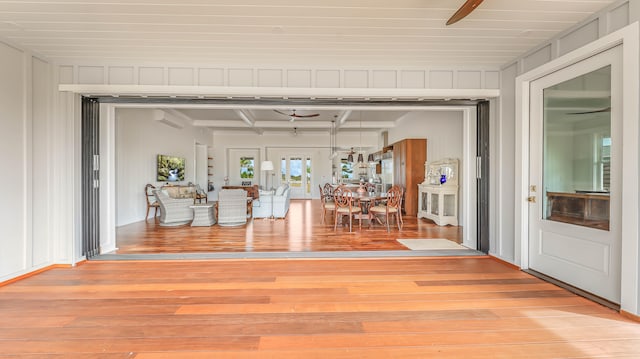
{"type": "Point", "coordinates": [429, 244]}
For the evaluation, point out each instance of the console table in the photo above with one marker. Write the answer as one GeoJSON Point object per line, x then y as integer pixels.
{"type": "Point", "coordinates": [438, 194]}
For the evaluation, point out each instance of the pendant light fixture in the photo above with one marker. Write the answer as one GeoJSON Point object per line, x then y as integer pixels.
{"type": "Point", "coordinates": [360, 156]}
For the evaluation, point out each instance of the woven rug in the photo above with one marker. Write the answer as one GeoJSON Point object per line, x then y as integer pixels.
{"type": "Point", "coordinates": [428, 244]}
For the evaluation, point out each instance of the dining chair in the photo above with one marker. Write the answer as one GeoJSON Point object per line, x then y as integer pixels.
{"type": "Point", "coordinates": [199, 195]}
{"type": "Point", "coordinates": [390, 209]}
{"type": "Point", "coordinates": [152, 201]}
{"type": "Point", "coordinates": [401, 189]}
{"type": "Point", "coordinates": [326, 199]}
{"type": "Point", "coordinates": [346, 205]}
{"type": "Point", "coordinates": [370, 187]}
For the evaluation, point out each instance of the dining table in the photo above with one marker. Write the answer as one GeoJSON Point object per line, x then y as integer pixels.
{"type": "Point", "coordinates": [366, 199]}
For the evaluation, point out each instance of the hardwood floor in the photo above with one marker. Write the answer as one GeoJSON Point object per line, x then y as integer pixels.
{"type": "Point", "coordinates": [346, 308]}
{"type": "Point", "coordinates": [301, 230]}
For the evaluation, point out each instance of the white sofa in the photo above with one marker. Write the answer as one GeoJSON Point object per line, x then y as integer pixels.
{"type": "Point", "coordinates": [232, 207]}
{"type": "Point", "coordinates": [279, 201]}
{"type": "Point", "coordinates": [174, 211]}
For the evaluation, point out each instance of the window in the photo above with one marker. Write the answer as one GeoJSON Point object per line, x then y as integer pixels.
{"type": "Point", "coordinates": [347, 169]}
{"type": "Point", "coordinates": [247, 167]}
{"type": "Point", "coordinates": [605, 163]}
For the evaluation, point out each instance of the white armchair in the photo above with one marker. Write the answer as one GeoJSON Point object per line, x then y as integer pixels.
{"type": "Point", "coordinates": [174, 211]}
{"type": "Point", "coordinates": [232, 207]}
{"type": "Point", "coordinates": [279, 201]}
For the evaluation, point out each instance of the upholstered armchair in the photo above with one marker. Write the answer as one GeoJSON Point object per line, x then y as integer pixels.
{"type": "Point", "coordinates": [232, 207]}
{"type": "Point", "coordinates": [174, 211]}
{"type": "Point", "coordinates": [270, 203]}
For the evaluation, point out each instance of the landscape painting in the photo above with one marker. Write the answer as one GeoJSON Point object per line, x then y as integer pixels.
{"type": "Point", "coordinates": [170, 168]}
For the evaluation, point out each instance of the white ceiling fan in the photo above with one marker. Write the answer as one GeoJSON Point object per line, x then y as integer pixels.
{"type": "Point", "coordinates": [293, 115]}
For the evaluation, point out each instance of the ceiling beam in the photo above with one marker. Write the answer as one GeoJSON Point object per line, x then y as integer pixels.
{"type": "Point", "coordinates": [248, 119]}
{"type": "Point", "coordinates": [168, 119]}
{"type": "Point", "coordinates": [179, 114]}
{"type": "Point", "coordinates": [342, 118]}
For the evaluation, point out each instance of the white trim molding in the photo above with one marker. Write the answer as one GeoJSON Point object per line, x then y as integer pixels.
{"type": "Point", "coordinates": [281, 92]}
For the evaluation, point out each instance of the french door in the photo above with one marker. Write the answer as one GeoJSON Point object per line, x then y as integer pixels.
{"type": "Point", "coordinates": [296, 171]}
{"type": "Point", "coordinates": [575, 167]}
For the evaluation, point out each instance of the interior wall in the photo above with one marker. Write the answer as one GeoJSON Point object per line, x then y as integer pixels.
{"type": "Point", "coordinates": [26, 240]}
{"type": "Point", "coordinates": [140, 138]}
{"type": "Point", "coordinates": [272, 145]}
{"type": "Point", "coordinates": [442, 129]}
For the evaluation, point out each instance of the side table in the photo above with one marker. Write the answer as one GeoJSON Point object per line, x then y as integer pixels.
{"type": "Point", "coordinates": [203, 215]}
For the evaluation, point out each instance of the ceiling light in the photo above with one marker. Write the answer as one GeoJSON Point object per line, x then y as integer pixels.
{"type": "Point", "coordinates": [370, 158]}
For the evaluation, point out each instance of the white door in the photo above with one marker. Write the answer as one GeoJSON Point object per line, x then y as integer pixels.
{"type": "Point", "coordinates": [296, 171]}
{"type": "Point", "coordinates": [575, 182]}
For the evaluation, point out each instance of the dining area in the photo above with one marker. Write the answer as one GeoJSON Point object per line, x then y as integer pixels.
{"type": "Point", "coordinates": [349, 203]}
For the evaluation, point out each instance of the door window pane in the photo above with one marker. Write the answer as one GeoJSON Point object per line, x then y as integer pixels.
{"type": "Point", "coordinates": [308, 171]}
{"type": "Point", "coordinates": [577, 150]}
{"type": "Point", "coordinates": [246, 167]}
{"type": "Point", "coordinates": [295, 170]}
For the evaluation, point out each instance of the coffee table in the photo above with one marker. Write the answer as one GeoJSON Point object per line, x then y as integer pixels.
{"type": "Point", "coordinates": [203, 215]}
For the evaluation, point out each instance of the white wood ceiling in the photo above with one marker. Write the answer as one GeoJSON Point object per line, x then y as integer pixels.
{"type": "Point", "coordinates": [399, 33]}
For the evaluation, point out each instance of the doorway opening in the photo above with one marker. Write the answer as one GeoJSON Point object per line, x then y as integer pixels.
{"type": "Point", "coordinates": [305, 181]}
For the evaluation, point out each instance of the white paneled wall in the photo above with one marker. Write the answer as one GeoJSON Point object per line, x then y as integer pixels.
{"type": "Point", "coordinates": [437, 78]}
{"type": "Point", "coordinates": [26, 242]}
{"type": "Point", "coordinates": [14, 141]}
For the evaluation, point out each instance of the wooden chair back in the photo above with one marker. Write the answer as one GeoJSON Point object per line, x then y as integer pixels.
{"type": "Point", "coordinates": [152, 201]}
{"type": "Point", "coordinates": [394, 197]}
{"type": "Point", "coordinates": [148, 192]}
{"type": "Point", "coordinates": [343, 197]}
{"type": "Point", "coordinates": [370, 187]}
{"type": "Point", "coordinates": [327, 191]}
{"type": "Point", "coordinates": [345, 205]}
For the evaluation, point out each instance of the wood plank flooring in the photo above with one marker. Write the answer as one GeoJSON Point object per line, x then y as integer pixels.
{"type": "Point", "coordinates": [343, 308]}
{"type": "Point", "coordinates": [300, 231]}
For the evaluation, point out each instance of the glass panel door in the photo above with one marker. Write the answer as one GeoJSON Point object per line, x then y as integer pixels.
{"type": "Point", "coordinates": [575, 187]}
{"type": "Point", "coordinates": [577, 150]}
{"type": "Point", "coordinates": [296, 171]}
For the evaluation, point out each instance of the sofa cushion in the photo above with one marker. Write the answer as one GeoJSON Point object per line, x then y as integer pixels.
{"type": "Point", "coordinates": [266, 193]}
{"type": "Point", "coordinates": [281, 189]}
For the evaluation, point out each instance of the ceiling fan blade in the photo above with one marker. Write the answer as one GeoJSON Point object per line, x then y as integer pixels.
{"type": "Point", "coordinates": [606, 109]}
{"type": "Point", "coordinates": [293, 114]}
{"type": "Point", "coordinates": [464, 10]}
{"type": "Point", "coordinates": [283, 113]}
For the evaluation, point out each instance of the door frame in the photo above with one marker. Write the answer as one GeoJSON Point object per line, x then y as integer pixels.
{"type": "Point", "coordinates": [628, 38]}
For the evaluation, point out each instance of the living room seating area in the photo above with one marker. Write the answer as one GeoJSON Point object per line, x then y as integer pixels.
{"type": "Point", "coordinates": [273, 203]}
{"type": "Point", "coordinates": [233, 208]}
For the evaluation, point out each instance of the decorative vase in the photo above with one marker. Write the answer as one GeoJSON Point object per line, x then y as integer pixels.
{"type": "Point", "coordinates": [443, 179]}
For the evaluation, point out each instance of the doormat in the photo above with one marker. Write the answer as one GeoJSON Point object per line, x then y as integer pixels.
{"type": "Point", "coordinates": [428, 244]}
